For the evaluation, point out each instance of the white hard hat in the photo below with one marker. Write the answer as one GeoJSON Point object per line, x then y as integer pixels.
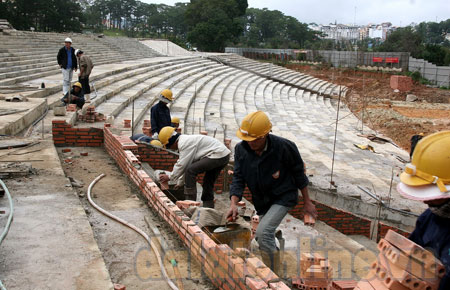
{"type": "Point", "coordinates": [68, 40]}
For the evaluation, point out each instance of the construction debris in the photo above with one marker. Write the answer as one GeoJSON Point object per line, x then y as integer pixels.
{"type": "Point", "coordinates": [15, 169]}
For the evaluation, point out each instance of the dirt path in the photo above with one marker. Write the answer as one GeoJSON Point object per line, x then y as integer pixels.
{"type": "Point", "coordinates": [127, 256]}
{"type": "Point", "coordinates": [387, 111]}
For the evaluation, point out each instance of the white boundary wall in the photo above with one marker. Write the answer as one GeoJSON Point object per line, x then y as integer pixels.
{"type": "Point", "coordinates": [438, 75]}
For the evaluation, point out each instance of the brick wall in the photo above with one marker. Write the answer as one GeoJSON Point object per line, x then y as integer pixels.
{"type": "Point", "coordinates": [383, 229]}
{"type": "Point", "coordinates": [224, 267]}
{"type": "Point", "coordinates": [65, 135]}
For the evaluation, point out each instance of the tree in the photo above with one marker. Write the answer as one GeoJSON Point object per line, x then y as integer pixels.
{"type": "Point", "coordinates": [403, 40]}
{"type": "Point", "coordinates": [44, 15]}
{"type": "Point", "coordinates": [212, 23]}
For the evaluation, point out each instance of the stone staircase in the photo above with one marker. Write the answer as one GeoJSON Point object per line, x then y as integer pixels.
{"type": "Point", "coordinates": [27, 55]}
{"type": "Point", "coordinates": [281, 74]}
{"type": "Point", "coordinates": [215, 97]}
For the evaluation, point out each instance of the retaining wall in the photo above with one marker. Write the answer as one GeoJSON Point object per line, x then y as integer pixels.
{"type": "Point", "coordinates": [65, 135]}
{"type": "Point", "coordinates": [223, 266]}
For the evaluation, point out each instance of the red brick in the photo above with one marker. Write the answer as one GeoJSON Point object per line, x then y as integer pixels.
{"type": "Point", "coordinates": [255, 283]}
{"type": "Point", "coordinates": [119, 287]}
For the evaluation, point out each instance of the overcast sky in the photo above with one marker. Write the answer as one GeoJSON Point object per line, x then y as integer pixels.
{"type": "Point", "coordinates": [398, 12]}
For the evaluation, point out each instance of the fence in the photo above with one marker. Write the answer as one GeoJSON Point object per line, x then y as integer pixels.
{"type": "Point", "coordinates": [438, 75]}
{"type": "Point", "coordinates": [336, 58]}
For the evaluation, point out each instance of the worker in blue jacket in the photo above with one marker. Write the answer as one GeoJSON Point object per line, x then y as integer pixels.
{"type": "Point", "coordinates": [427, 179]}
{"type": "Point", "coordinates": [160, 113]}
{"type": "Point", "coordinates": [274, 172]}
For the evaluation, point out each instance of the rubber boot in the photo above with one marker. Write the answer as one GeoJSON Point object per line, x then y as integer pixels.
{"type": "Point", "coordinates": [208, 203]}
{"type": "Point", "coordinates": [275, 263]}
{"type": "Point", "coordinates": [190, 194]}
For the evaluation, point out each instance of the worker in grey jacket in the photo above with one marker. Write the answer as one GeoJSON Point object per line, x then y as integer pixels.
{"type": "Point", "coordinates": [198, 153]}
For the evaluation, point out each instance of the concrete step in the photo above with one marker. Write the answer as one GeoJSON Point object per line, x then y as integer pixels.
{"type": "Point", "coordinates": [177, 82]}
{"type": "Point", "coordinates": [197, 105]}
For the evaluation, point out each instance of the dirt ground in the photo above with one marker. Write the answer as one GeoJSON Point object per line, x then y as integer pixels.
{"type": "Point", "coordinates": [385, 111]}
{"type": "Point", "coordinates": [127, 256]}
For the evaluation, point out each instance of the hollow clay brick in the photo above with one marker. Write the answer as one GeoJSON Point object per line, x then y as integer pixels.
{"type": "Point", "coordinates": [414, 250]}
{"type": "Point", "coordinates": [413, 266]}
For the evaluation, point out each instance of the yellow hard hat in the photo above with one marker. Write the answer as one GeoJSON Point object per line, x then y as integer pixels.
{"type": "Point", "coordinates": [77, 84]}
{"type": "Point", "coordinates": [165, 134]}
{"type": "Point", "coordinates": [254, 126]}
{"type": "Point", "coordinates": [427, 177]}
{"type": "Point", "coordinates": [156, 143]}
{"type": "Point", "coordinates": [166, 96]}
{"type": "Point", "coordinates": [175, 120]}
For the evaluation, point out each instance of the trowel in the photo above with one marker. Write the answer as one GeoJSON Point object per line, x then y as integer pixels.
{"type": "Point", "coordinates": [223, 228]}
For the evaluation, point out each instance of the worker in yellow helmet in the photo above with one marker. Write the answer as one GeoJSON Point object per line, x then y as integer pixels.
{"type": "Point", "coordinates": [198, 154]}
{"type": "Point", "coordinates": [76, 96]}
{"type": "Point", "coordinates": [160, 113]}
{"type": "Point", "coordinates": [175, 122]}
{"type": "Point", "coordinates": [273, 170]}
{"type": "Point", "coordinates": [427, 179]}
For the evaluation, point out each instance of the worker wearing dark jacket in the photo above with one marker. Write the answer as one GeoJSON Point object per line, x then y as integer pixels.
{"type": "Point", "coordinates": [273, 170]}
{"type": "Point", "coordinates": [160, 113]}
{"type": "Point", "coordinates": [76, 96]}
{"type": "Point", "coordinates": [67, 61]}
{"type": "Point", "coordinates": [427, 178]}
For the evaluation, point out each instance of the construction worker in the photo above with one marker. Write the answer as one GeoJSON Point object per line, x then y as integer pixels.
{"type": "Point", "coordinates": [273, 170]}
{"type": "Point", "coordinates": [175, 122]}
{"type": "Point", "coordinates": [198, 153]}
{"type": "Point", "coordinates": [76, 96]}
{"type": "Point", "coordinates": [86, 66]}
{"type": "Point", "coordinates": [427, 178]}
{"type": "Point", "coordinates": [67, 61]}
{"type": "Point", "coordinates": [160, 113]}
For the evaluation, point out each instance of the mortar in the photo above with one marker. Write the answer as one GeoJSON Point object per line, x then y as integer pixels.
{"type": "Point", "coordinates": [237, 237]}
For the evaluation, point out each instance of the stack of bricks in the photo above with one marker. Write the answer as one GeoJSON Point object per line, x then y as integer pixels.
{"type": "Point", "coordinates": [343, 285]}
{"type": "Point", "coordinates": [91, 116]}
{"type": "Point", "coordinates": [401, 83]}
{"type": "Point", "coordinates": [402, 264]}
{"type": "Point", "coordinates": [71, 108]}
{"type": "Point", "coordinates": [127, 123]}
{"type": "Point", "coordinates": [147, 128]}
{"type": "Point", "coordinates": [315, 273]}
{"type": "Point", "coordinates": [226, 268]}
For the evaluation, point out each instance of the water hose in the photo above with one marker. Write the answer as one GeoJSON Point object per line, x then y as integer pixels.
{"type": "Point", "coordinates": [133, 227]}
{"type": "Point", "coordinates": [8, 223]}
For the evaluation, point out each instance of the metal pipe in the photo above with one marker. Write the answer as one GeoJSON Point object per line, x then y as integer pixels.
{"type": "Point", "coordinates": [131, 226]}
{"type": "Point", "coordinates": [8, 222]}
{"type": "Point", "coordinates": [384, 204]}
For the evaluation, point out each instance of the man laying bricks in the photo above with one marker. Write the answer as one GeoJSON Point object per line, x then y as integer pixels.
{"type": "Point", "coordinates": [273, 170]}
{"type": "Point", "coordinates": [198, 153]}
{"type": "Point", "coordinates": [76, 96]}
{"type": "Point", "coordinates": [427, 178]}
{"type": "Point", "coordinates": [160, 113]}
